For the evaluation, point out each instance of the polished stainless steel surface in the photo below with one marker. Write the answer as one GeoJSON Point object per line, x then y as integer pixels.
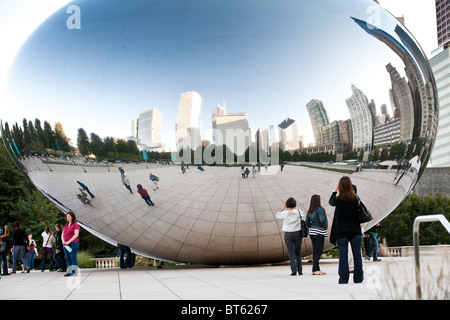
{"type": "Point", "coordinates": [216, 86]}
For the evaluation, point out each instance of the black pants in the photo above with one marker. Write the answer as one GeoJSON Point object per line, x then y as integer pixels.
{"type": "Point", "coordinates": [317, 244]}
{"type": "Point", "coordinates": [293, 242]}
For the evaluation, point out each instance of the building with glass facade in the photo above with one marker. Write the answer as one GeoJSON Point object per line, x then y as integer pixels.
{"type": "Point", "coordinates": [318, 115]}
{"type": "Point", "coordinates": [440, 63]}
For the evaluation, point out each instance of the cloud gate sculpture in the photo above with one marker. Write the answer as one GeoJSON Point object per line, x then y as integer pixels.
{"type": "Point", "coordinates": [108, 95]}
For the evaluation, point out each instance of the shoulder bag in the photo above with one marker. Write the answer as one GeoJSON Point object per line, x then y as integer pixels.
{"type": "Point", "coordinates": [43, 250]}
{"type": "Point", "coordinates": [305, 230]}
{"type": "Point", "coordinates": [364, 214]}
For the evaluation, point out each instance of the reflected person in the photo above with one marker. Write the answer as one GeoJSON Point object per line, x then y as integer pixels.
{"type": "Point", "coordinates": [144, 195]}
{"type": "Point", "coordinates": [84, 187]}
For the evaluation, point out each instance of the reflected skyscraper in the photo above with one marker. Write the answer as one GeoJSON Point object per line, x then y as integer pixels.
{"type": "Point", "coordinates": [402, 101]}
{"type": "Point", "coordinates": [319, 118]}
{"type": "Point", "coordinates": [149, 130]}
{"type": "Point", "coordinates": [231, 129]}
{"type": "Point", "coordinates": [188, 125]}
{"type": "Point", "coordinates": [289, 135]}
{"type": "Point", "coordinates": [134, 128]}
{"type": "Point", "coordinates": [362, 123]}
{"type": "Point", "coordinates": [421, 82]}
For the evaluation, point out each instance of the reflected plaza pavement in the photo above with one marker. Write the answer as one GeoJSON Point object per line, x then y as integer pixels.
{"type": "Point", "coordinates": [209, 217]}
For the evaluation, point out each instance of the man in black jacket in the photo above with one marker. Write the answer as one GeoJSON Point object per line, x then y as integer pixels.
{"type": "Point", "coordinates": [19, 247]}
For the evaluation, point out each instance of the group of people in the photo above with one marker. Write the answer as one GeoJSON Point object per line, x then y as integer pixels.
{"type": "Point", "coordinates": [402, 167]}
{"type": "Point", "coordinates": [246, 171]}
{"type": "Point", "coordinates": [345, 231]}
{"type": "Point", "coordinates": [140, 189]}
{"type": "Point", "coordinates": [23, 247]}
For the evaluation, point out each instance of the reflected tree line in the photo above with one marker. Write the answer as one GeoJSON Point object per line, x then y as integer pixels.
{"type": "Point", "coordinates": [35, 137]}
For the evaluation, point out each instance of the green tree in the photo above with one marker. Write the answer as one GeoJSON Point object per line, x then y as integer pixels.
{"type": "Point", "coordinates": [49, 136]}
{"type": "Point", "coordinates": [61, 138]}
{"type": "Point", "coordinates": [96, 145]}
{"type": "Point", "coordinates": [398, 226]}
{"type": "Point", "coordinates": [83, 142]}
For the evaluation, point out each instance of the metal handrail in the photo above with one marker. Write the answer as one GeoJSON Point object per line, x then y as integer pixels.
{"type": "Point", "coordinates": [417, 221]}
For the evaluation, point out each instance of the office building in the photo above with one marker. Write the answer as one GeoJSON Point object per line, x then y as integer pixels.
{"type": "Point", "coordinates": [231, 129]}
{"type": "Point", "coordinates": [188, 126]}
{"type": "Point", "coordinates": [318, 115]}
{"type": "Point", "coordinates": [149, 127]}
{"type": "Point", "coordinates": [362, 123]}
{"type": "Point", "coordinates": [289, 135]}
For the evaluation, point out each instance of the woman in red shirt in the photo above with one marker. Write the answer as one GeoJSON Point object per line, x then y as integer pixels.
{"type": "Point", "coordinates": [70, 243]}
{"type": "Point", "coordinates": [144, 195]}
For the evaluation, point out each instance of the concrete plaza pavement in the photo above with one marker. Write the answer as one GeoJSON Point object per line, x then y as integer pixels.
{"type": "Point", "coordinates": [392, 278]}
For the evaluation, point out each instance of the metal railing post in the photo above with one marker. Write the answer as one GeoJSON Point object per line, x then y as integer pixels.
{"type": "Point", "coordinates": [417, 221]}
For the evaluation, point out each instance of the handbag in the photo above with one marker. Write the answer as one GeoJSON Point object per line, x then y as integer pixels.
{"type": "Point", "coordinates": [305, 230]}
{"type": "Point", "coordinates": [364, 214]}
{"type": "Point", "coordinates": [43, 250]}
{"type": "Point", "coordinates": [2, 246]}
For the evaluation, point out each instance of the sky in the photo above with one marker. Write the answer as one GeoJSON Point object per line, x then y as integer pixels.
{"type": "Point", "coordinates": [224, 82]}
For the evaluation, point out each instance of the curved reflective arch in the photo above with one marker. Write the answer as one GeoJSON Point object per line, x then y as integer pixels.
{"type": "Point", "coordinates": [208, 90]}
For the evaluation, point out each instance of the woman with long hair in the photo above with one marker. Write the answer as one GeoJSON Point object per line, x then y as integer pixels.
{"type": "Point", "coordinates": [47, 242]}
{"type": "Point", "coordinates": [71, 243]}
{"type": "Point", "coordinates": [144, 195]}
{"type": "Point", "coordinates": [317, 222]}
{"type": "Point", "coordinates": [346, 229]}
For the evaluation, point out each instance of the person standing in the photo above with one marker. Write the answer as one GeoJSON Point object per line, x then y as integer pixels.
{"type": "Point", "coordinates": [292, 234]}
{"type": "Point", "coordinates": [126, 183]}
{"type": "Point", "coordinates": [58, 254]}
{"type": "Point", "coordinates": [374, 240]}
{"type": "Point", "coordinates": [47, 241]}
{"type": "Point", "coordinates": [31, 252]}
{"type": "Point", "coordinates": [144, 195]}
{"type": "Point", "coordinates": [19, 242]}
{"type": "Point", "coordinates": [122, 251]}
{"type": "Point", "coordinates": [317, 222]}
{"type": "Point", "coordinates": [3, 251]}
{"type": "Point", "coordinates": [155, 180]}
{"type": "Point", "coordinates": [346, 229]}
{"type": "Point", "coordinates": [71, 243]}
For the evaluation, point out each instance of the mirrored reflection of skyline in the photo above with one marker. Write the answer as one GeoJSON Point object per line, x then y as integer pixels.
{"type": "Point", "coordinates": [181, 73]}
{"type": "Point", "coordinates": [227, 66]}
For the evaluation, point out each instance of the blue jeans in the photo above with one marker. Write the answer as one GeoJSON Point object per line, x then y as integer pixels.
{"type": "Point", "coordinates": [48, 255]}
{"type": "Point", "coordinates": [4, 261]}
{"type": "Point", "coordinates": [374, 246]}
{"type": "Point", "coordinates": [293, 242]}
{"type": "Point", "coordinates": [148, 201]}
{"type": "Point", "coordinates": [30, 258]}
{"type": "Point", "coordinates": [19, 252]}
{"type": "Point", "coordinates": [71, 257]}
{"type": "Point", "coordinates": [122, 251]}
{"type": "Point", "coordinates": [344, 273]}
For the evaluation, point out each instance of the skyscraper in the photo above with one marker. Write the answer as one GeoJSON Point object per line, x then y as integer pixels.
{"type": "Point", "coordinates": [362, 124]}
{"type": "Point", "coordinates": [442, 19]}
{"type": "Point", "coordinates": [231, 129]}
{"type": "Point", "coordinates": [188, 125]}
{"type": "Point", "coordinates": [149, 130]}
{"type": "Point", "coordinates": [289, 135]}
{"type": "Point", "coordinates": [318, 115]}
{"type": "Point", "coordinates": [134, 127]}
{"type": "Point", "coordinates": [440, 64]}
{"type": "Point", "coordinates": [403, 104]}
